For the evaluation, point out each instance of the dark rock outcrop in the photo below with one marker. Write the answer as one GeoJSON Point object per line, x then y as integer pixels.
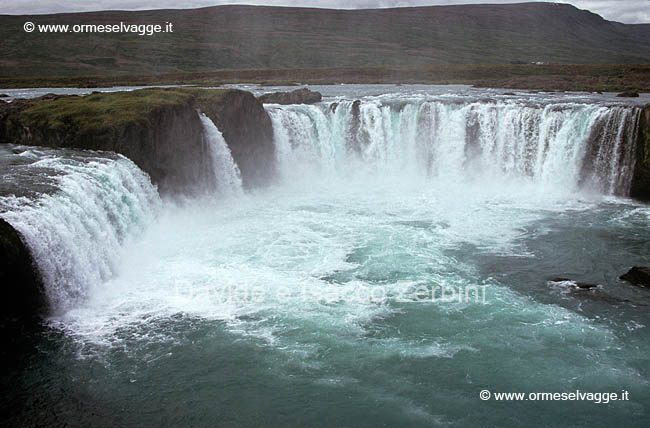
{"type": "Point", "coordinates": [299, 96]}
{"type": "Point", "coordinates": [640, 186]}
{"type": "Point", "coordinates": [4, 96]}
{"type": "Point", "coordinates": [628, 94]}
{"type": "Point", "coordinates": [23, 298]}
{"type": "Point", "coordinates": [638, 275]}
{"type": "Point", "coordinates": [356, 138]}
{"type": "Point", "coordinates": [158, 129]}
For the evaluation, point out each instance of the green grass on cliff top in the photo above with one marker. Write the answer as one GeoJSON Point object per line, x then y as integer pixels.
{"type": "Point", "coordinates": [98, 112]}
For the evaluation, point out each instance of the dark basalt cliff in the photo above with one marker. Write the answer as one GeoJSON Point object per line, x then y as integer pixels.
{"type": "Point", "coordinates": [22, 291]}
{"type": "Point", "coordinates": [158, 129]}
{"type": "Point", "coordinates": [248, 130]}
{"type": "Point", "coordinates": [640, 188]}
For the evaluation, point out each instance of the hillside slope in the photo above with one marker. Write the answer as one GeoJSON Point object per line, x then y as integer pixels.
{"type": "Point", "coordinates": [239, 37]}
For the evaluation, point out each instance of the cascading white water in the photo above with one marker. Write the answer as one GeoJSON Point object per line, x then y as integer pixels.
{"type": "Point", "coordinates": [558, 145]}
{"type": "Point", "coordinates": [77, 232]}
{"type": "Point", "coordinates": [95, 204]}
{"type": "Point", "coordinates": [224, 172]}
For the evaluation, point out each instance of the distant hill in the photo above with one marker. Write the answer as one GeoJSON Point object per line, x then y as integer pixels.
{"type": "Point", "coordinates": [252, 37]}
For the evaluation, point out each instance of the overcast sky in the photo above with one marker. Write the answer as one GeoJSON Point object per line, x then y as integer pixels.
{"type": "Point", "coordinates": [628, 11]}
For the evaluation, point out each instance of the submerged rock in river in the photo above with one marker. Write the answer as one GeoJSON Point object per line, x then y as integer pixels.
{"type": "Point", "coordinates": [638, 275]}
{"type": "Point", "coordinates": [566, 282]}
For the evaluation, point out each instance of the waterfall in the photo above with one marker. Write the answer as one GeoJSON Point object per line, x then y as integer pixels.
{"type": "Point", "coordinates": [224, 173]}
{"type": "Point", "coordinates": [77, 230]}
{"type": "Point", "coordinates": [559, 145]}
{"type": "Point", "coordinates": [78, 210]}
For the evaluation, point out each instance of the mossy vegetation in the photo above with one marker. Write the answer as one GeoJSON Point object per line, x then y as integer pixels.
{"type": "Point", "coordinates": [100, 113]}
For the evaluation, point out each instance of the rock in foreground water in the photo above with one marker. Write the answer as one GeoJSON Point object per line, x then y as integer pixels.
{"type": "Point", "coordinates": [574, 284]}
{"type": "Point", "coordinates": [638, 275]}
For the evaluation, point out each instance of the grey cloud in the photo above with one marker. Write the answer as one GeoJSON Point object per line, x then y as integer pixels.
{"type": "Point", "coordinates": [629, 11]}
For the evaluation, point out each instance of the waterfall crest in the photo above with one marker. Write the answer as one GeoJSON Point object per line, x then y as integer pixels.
{"type": "Point", "coordinates": [567, 145]}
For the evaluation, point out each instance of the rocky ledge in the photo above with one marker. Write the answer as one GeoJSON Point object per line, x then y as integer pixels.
{"type": "Point", "coordinates": [299, 96]}
{"type": "Point", "coordinates": [628, 94]}
{"type": "Point", "coordinates": [159, 129]}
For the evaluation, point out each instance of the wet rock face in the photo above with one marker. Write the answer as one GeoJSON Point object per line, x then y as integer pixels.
{"type": "Point", "coordinates": [638, 275]}
{"type": "Point", "coordinates": [353, 140]}
{"type": "Point", "coordinates": [299, 96]}
{"type": "Point", "coordinates": [628, 94]}
{"type": "Point", "coordinates": [247, 128]}
{"type": "Point", "coordinates": [170, 150]}
{"type": "Point", "coordinates": [23, 299]}
{"type": "Point", "coordinates": [640, 187]}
